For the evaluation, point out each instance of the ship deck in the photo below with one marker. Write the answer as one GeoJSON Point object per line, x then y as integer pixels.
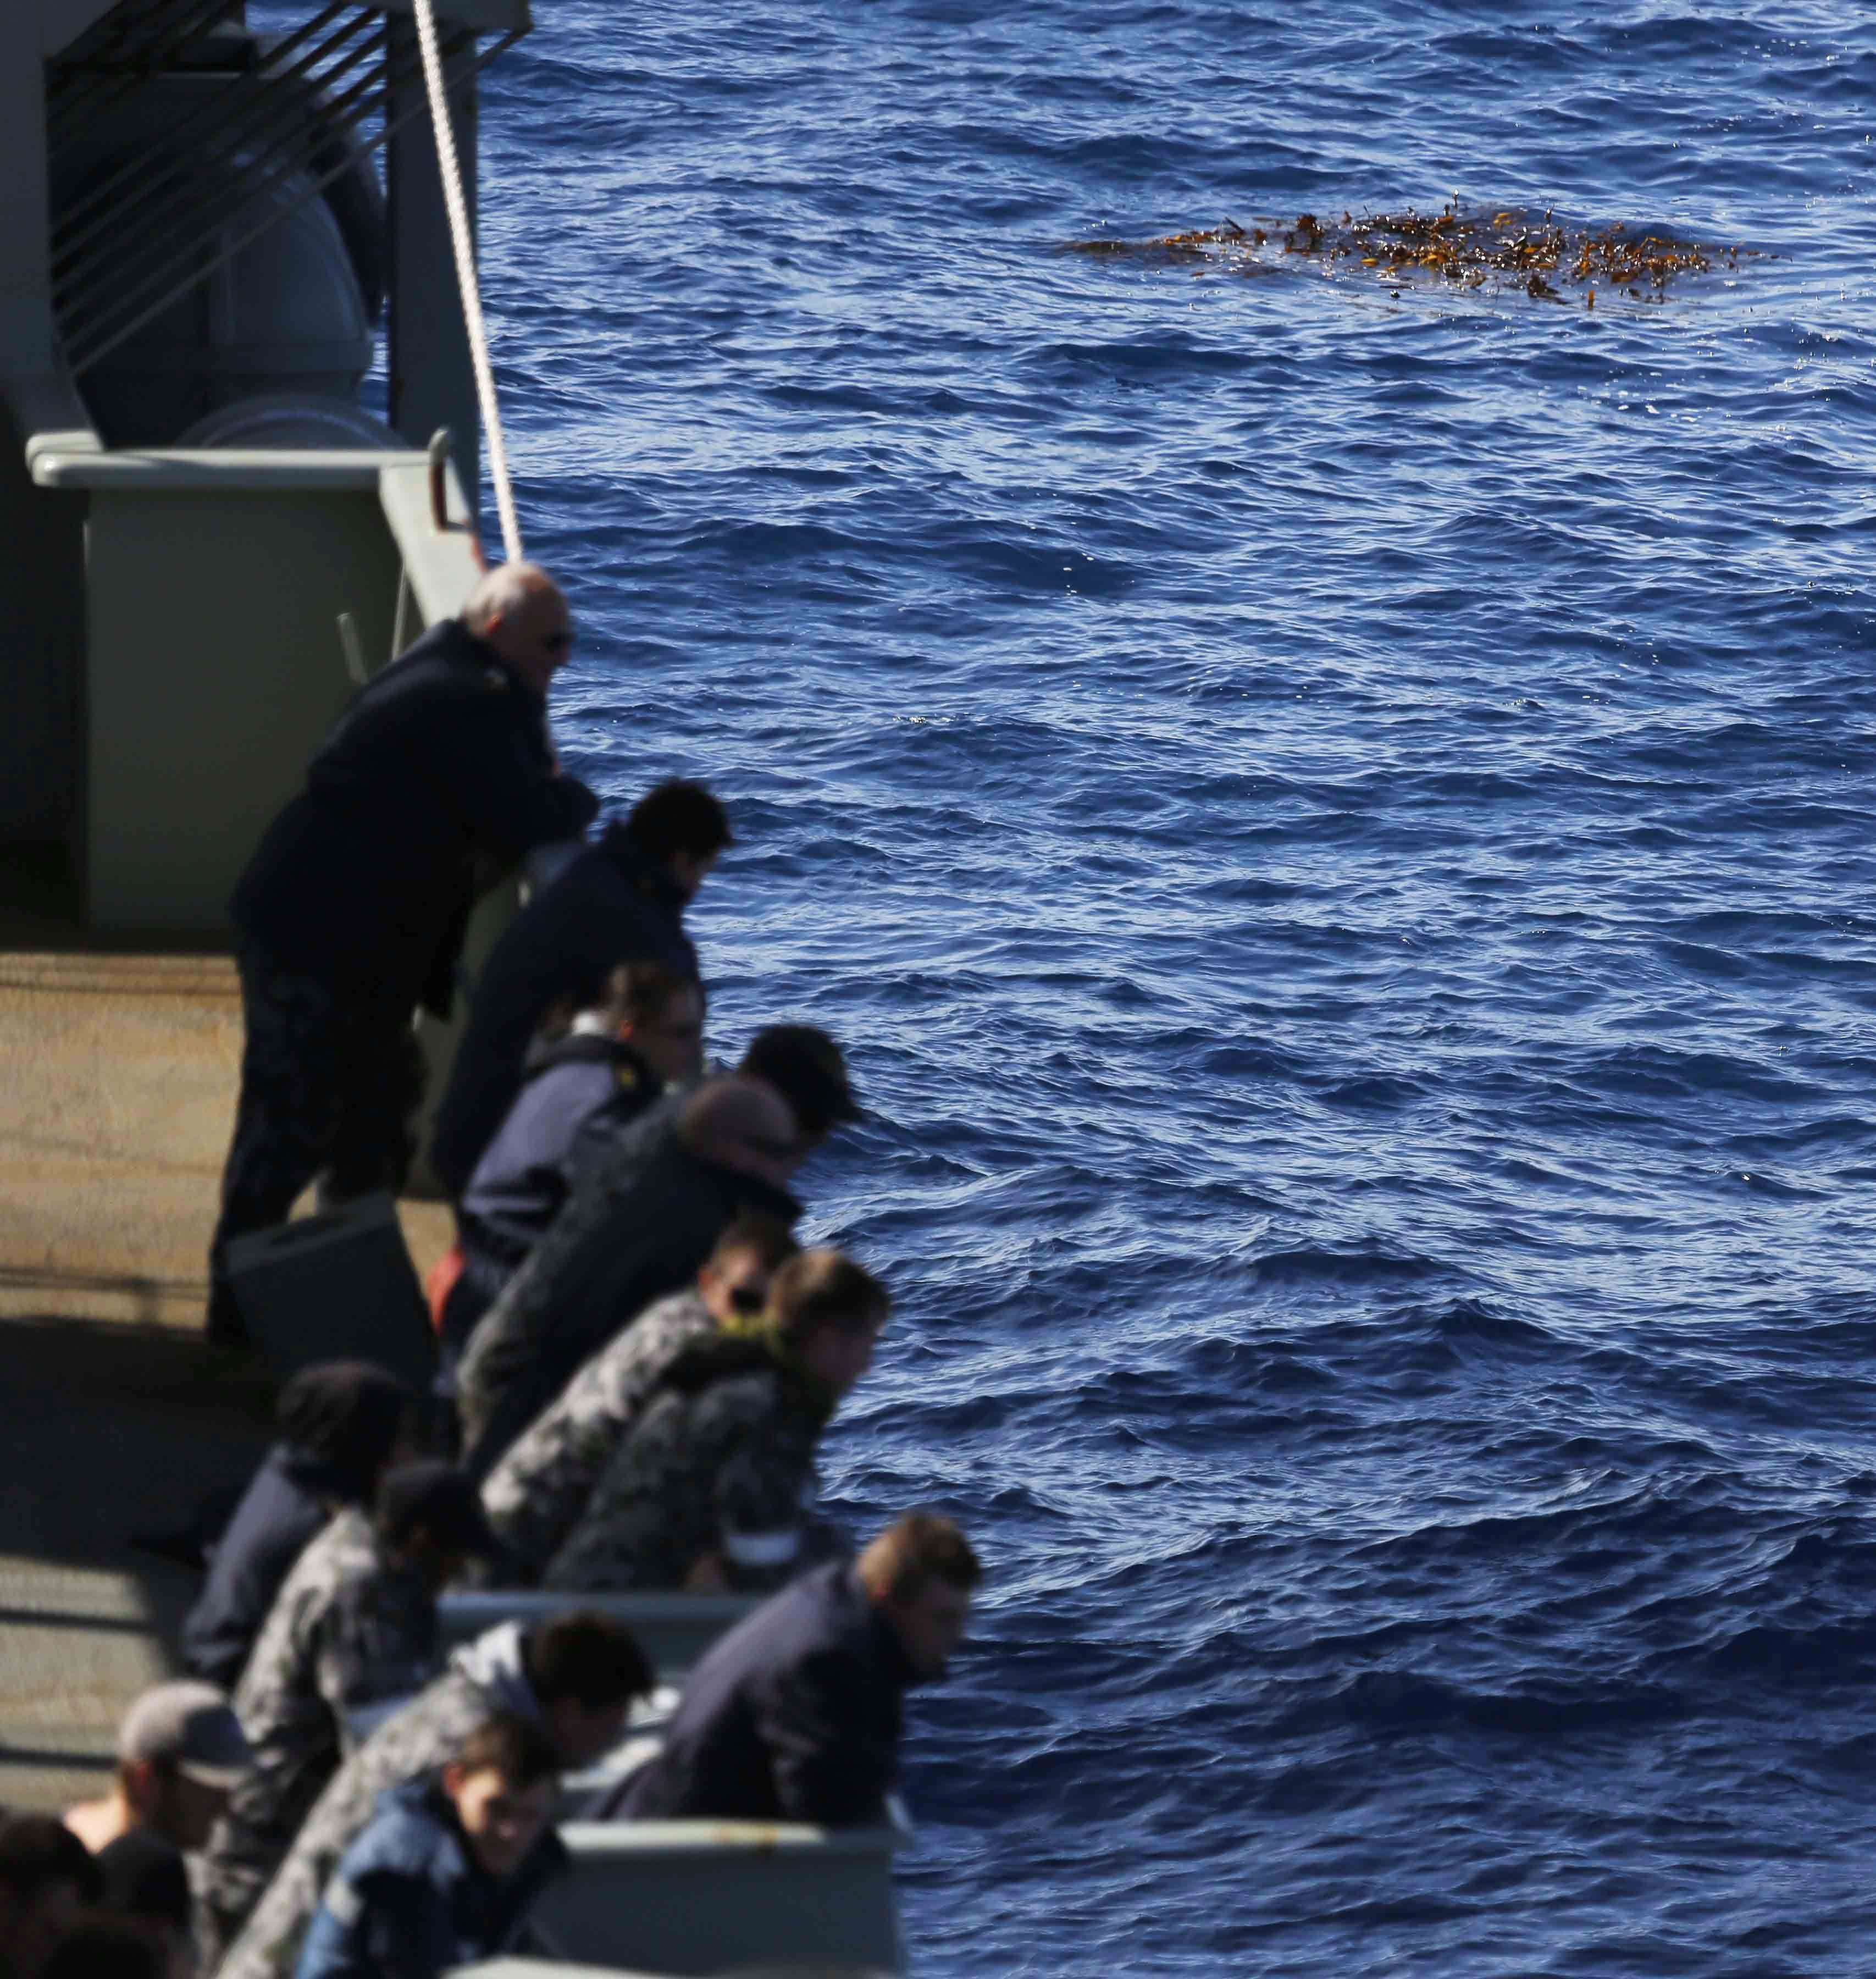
{"type": "Point", "coordinates": [119, 1068]}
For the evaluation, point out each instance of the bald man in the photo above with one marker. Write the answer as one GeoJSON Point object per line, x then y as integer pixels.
{"type": "Point", "coordinates": [438, 777]}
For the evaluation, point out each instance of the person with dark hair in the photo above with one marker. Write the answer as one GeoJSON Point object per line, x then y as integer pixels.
{"type": "Point", "coordinates": [576, 1677]}
{"type": "Point", "coordinates": [47, 1875]}
{"type": "Point", "coordinates": [621, 899]}
{"type": "Point", "coordinates": [342, 1423]}
{"type": "Point", "coordinates": [104, 1947]}
{"type": "Point", "coordinates": [449, 1867]}
{"type": "Point", "coordinates": [643, 1215]}
{"type": "Point", "coordinates": [646, 1032]}
{"type": "Point", "coordinates": [438, 776]}
{"type": "Point", "coordinates": [705, 1494]}
{"type": "Point", "coordinates": [795, 1715]}
{"type": "Point", "coordinates": [144, 1879]}
{"type": "Point", "coordinates": [353, 1632]}
{"type": "Point", "coordinates": [535, 1496]}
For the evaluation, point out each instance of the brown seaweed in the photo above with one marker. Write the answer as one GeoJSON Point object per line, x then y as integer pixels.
{"type": "Point", "coordinates": [1504, 247]}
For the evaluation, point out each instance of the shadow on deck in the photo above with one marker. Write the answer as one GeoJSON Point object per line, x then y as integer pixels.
{"type": "Point", "coordinates": [107, 1432]}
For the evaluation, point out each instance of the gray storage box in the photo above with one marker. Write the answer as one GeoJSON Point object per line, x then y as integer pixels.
{"type": "Point", "coordinates": [338, 1286]}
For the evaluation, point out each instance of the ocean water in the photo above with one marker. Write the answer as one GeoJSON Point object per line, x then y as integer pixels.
{"type": "Point", "coordinates": [1333, 817]}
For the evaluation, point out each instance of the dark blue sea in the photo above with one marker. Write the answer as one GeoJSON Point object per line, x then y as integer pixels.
{"type": "Point", "coordinates": [1336, 818]}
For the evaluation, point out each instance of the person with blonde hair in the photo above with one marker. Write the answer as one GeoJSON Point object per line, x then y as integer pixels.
{"type": "Point", "coordinates": [707, 1490]}
{"type": "Point", "coordinates": [795, 1715]}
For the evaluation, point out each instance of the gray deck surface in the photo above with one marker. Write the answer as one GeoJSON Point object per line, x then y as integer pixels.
{"type": "Point", "coordinates": [118, 1069]}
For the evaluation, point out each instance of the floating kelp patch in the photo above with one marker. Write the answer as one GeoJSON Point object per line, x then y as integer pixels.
{"type": "Point", "coordinates": [1500, 247]}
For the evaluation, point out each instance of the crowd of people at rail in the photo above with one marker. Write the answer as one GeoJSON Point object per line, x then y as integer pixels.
{"type": "Point", "coordinates": [638, 1360]}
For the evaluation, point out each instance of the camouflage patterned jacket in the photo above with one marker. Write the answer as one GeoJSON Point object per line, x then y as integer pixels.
{"type": "Point", "coordinates": [535, 1496]}
{"type": "Point", "coordinates": [721, 1461]}
{"type": "Point", "coordinates": [486, 1676]}
{"type": "Point", "coordinates": [347, 1632]}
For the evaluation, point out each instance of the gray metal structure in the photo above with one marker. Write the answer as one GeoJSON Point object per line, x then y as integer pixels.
{"type": "Point", "coordinates": [195, 245]}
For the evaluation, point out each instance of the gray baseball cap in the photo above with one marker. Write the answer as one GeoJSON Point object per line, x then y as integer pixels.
{"type": "Point", "coordinates": [193, 1726]}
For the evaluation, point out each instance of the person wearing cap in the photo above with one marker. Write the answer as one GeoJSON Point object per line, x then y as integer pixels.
{"type": "Point", "coordinates": [180, 1752]}
{"type": "Point", "coordinates": [641, 1219]}
{"type": "Point", "coordinates": [352, 1631]}
{"type": "Point", "coordinates": [576, 1676]}
{"type": "Point", "coordinates": [439, 775]}
{"type": "Point", "coordinates": [342, 1423]}
{"type": "Point", "coordinates": [621, 899]}
{"type": "Point", "coordinates": [706, 1493]}
{"type": "Point", "coordinates": [535, 1496]}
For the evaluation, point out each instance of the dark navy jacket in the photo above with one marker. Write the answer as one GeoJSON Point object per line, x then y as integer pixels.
{"type": "Point", "coordinates": [284, 1506]}
{"type": "Point", "coordinates": [365, 879]}
{"type": "Point", "coordinates": [793, 1715]}
{"type": "Point", "coordinates": [624, 1240]}
{"type": "Point", "coordinates": [611, 905]}
{"type": "Point", "coordinates": [408, 1901]}
{"type": "Point", "coordinates": [522, 1180]}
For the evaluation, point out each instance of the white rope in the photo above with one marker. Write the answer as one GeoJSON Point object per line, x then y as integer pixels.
{"type": "Point", "coordinates": [451, 173]}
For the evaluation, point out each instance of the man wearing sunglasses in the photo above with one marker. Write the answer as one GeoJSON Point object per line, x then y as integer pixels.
{"type": "Point", "coordinates": [438, 775]}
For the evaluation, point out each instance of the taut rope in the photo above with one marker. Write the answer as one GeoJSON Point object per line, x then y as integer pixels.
{"type": "Point", "coordinates": [450, 171]}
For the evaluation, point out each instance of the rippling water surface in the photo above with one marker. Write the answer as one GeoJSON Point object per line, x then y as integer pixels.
{"type": "Point", "coordinates": [1334, 819]}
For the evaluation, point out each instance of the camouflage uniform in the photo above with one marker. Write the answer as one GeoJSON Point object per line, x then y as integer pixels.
{"type": "Point", "coordinates": [483, 1678]}
{"type": "Point", "coordinates": [326, 1091]}
{"type": "Point", "coordinates": [720, 1462]}
{"type": "Point", "coordinates": [346, 1631]}
{"type": "Point", "coordinates": [535, 1496]}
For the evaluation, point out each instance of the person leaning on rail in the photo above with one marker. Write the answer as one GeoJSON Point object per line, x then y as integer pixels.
{"type": "Point", "coordinates": [535, 1496]}
{"type": "Point", "coordinates": [449, 1868]}
{"type": "Point", "coordinates": [645, 1212]}
{"type": "Point", "coordinates": [575, 1676]}
{"type": "Point", "coordinates": [795, 1715]}
{"type": "Point", "coordinates": [646, 1032]}
{"type": "Point", "coordinates": [352, 909]}
{"type": "Point", "coordinates": [621, 899]}
{"type": "Point", "coordinates": [343, 1424]}
{"type": "Point", "coordinates": [353, 1633]}
{"type": "Point", "coordinates": [705, 1494]}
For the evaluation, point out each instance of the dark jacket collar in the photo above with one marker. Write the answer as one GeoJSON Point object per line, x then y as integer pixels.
{"type": "Point", "coordinates": [454, 642]}
{"type": "Point", "coordinates": [640, 868]}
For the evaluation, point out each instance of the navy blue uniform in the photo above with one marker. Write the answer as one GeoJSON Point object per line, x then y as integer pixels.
{"type": "Point", "coordinates": [612, 905]}
{"type": "Point", "coordinates": [289, 1498]}
{"type": "Point", "coordinates": [352, 910]}
{"type": "Point", "coordinates": [521, 1181]}
{"type": "Point", "coordinates": [793, 1715]}
{"type": "Point", "coordinates": [409, 1901]}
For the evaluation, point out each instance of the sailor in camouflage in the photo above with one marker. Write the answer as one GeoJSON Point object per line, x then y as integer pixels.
{"type": "Point", "coordinates": [706, 1493]}
{"type": "Point", "coordinates": [576, 1676]}
{"type": "Point", "coordinates": [353, 1630]}
{"type": "Point", "coordinates": [535, 1496]}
